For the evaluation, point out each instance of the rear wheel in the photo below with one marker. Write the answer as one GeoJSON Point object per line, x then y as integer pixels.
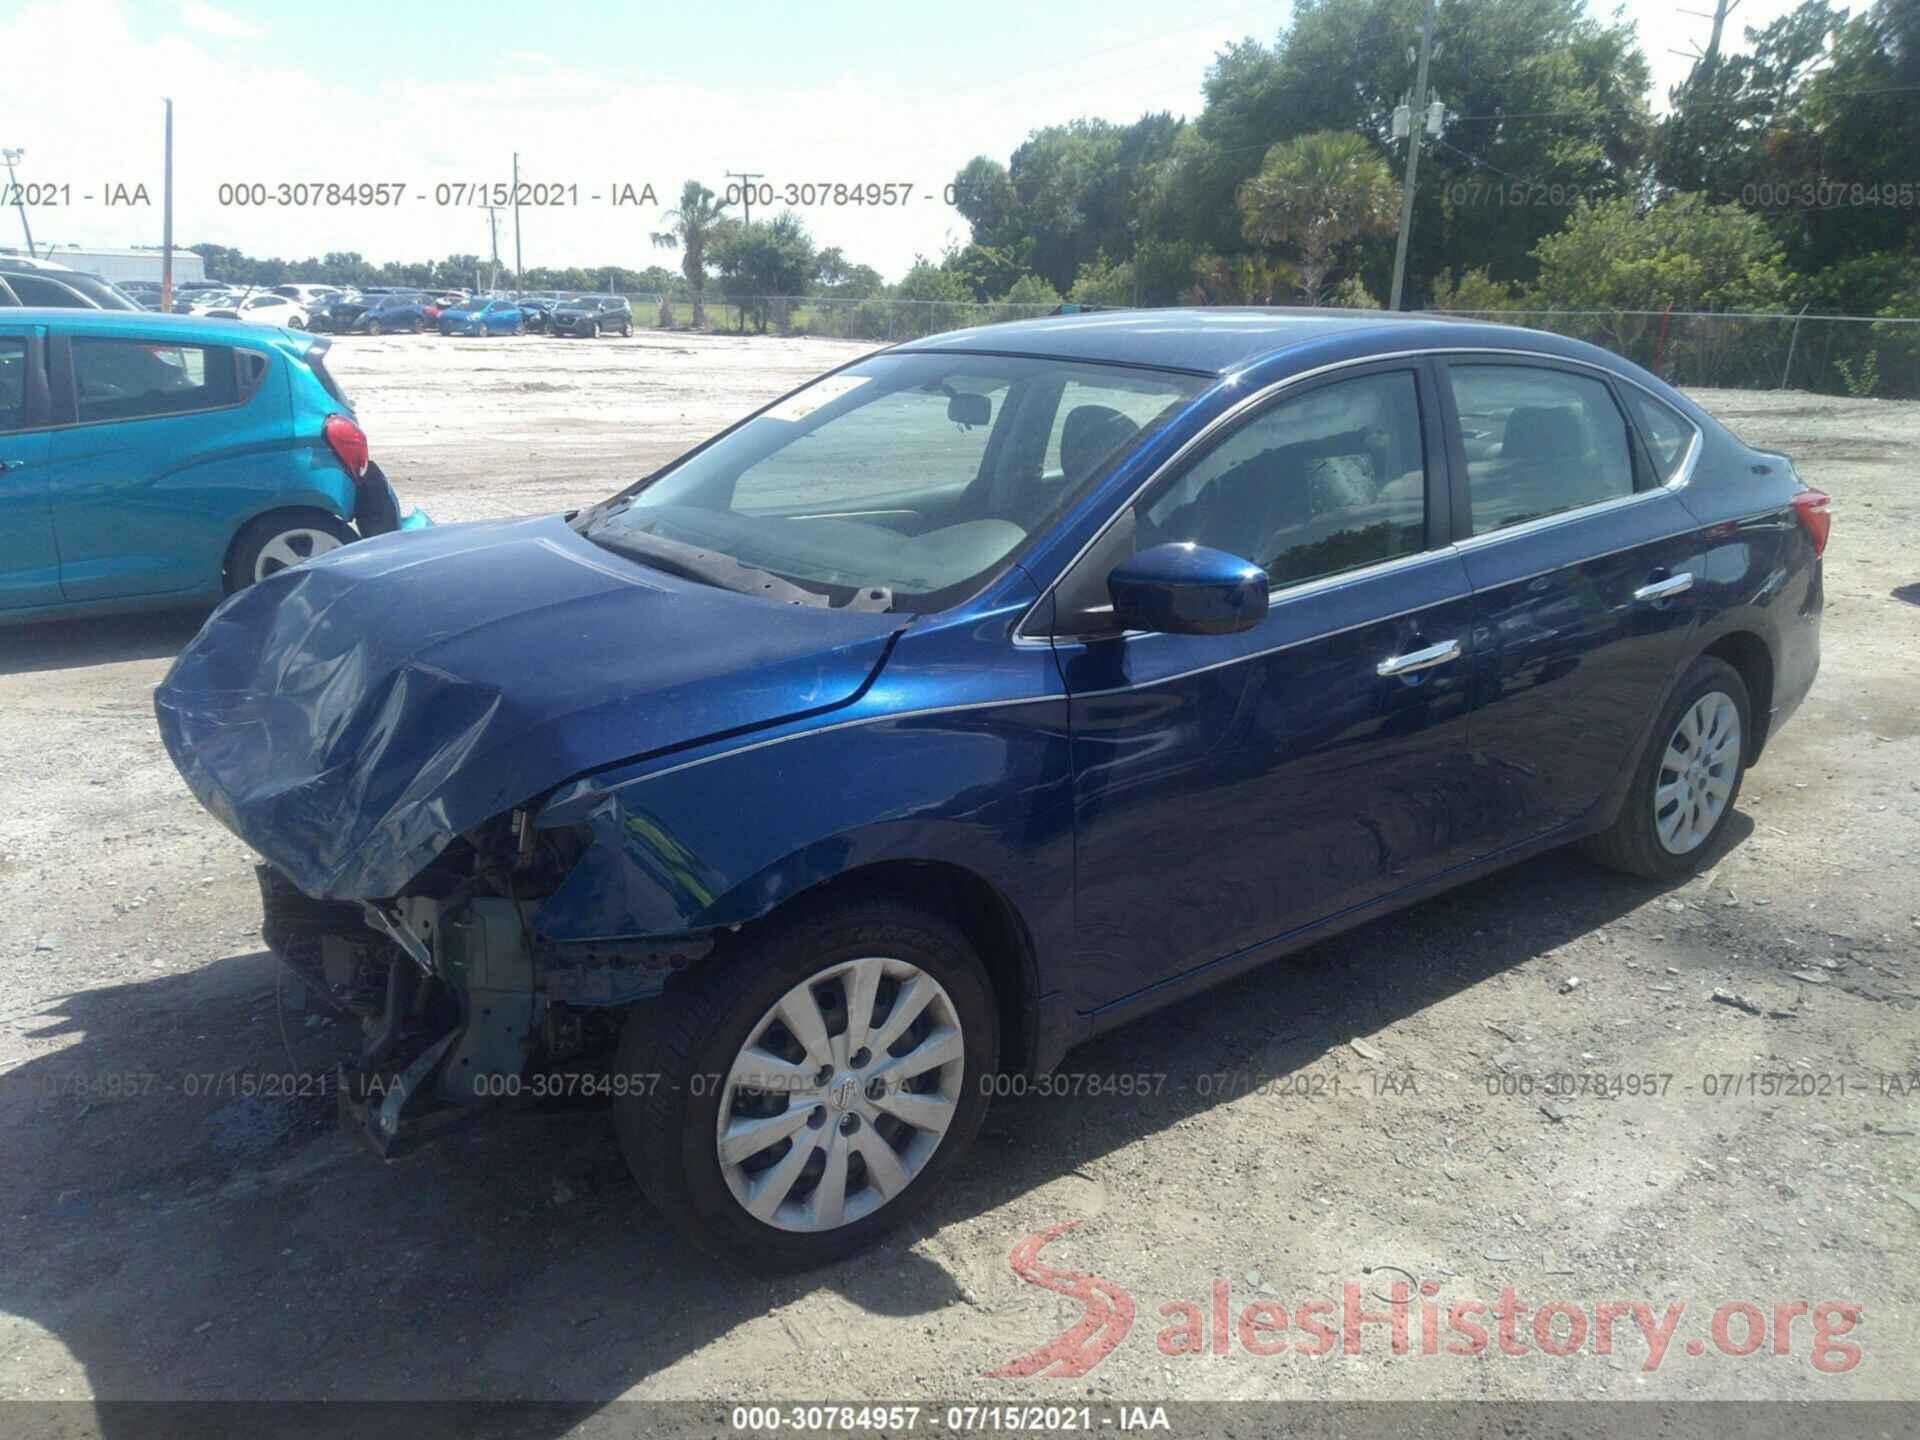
{"type": "Point", "coordinates": [1684, 792]}
{"type": "Point", "coordinates": [282, 539]}
{"type": "Point", "coordinates": [418, 325]}
{"type": "Point", "coordinates": [809, 1090]}
{"type": "Point", "coordinates": [374, 327]}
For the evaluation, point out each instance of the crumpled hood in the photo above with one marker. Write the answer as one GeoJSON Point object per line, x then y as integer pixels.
{"type": "Point", "coordinates": [348, 717]}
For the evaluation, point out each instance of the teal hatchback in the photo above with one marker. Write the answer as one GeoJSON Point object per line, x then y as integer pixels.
{"type": "Point", "coordinates": [151, 460]}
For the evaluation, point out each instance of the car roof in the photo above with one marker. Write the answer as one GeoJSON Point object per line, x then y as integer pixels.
{"type": "Point", "coordinates": [141, 324]}
{"type": "Point", "coordinates": [1222, 341]}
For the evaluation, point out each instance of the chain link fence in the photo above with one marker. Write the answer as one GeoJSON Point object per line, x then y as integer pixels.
{"type": "Point", "coordinates": [1831, 354]}
{"type": "Point", "coordinates": [883, 320]}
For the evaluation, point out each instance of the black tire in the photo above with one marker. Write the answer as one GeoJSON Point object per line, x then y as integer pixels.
{"type": "Point", "coordinates": [243, 556]}
{"type": "Point", "coordinates": [1632, 843]}
{"type": "Point", "coordinates": [374, 327]}
{"type": "Point", "coordinates": [693, 1033]}
{"type": "Point", "coordinates": [418, 325]}
{"type": "Point", "coordinates": [626, 329]}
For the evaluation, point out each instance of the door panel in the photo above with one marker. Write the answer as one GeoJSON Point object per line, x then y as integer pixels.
{"type": "Point", "coordinates": [29, 559]}
{"type": "Point", "coordinates": [1229, 790]}
{"type": "Point", "coordinates": [1583, 604]}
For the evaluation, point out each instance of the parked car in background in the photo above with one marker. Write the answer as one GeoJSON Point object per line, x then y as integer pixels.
{"type": "Point", "coordinates": [44, 282]}
{"type": "Point", "coordinates": [149, 460]}
{"type": "Point", "coordinates": [398, 311]}
{"type": "Point", "coordinates": [307, 295]}
{"type": "Point", "coordinates": [1163, 643]}
{"type": "Point", "coordinates": [340, 314]}
{"type": "Point", "coordinates": [144, 293]}
{"type": "Point", "coordinates": [538, 311]}
{"type": "Point", "coordinates": [483, 317]}
{"type": "Point", "coordinates": [205, 302]}
{"type": "Point", "coordinates": [592, 315]}
{"type": "Point", "coordinates": [264, 309]}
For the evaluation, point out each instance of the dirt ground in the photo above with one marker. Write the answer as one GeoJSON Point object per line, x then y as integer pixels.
{"type": "Point", "coordinates": [1379, 1108]}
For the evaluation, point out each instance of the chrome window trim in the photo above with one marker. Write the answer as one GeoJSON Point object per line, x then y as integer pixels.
{"type": "Point", "coordinates": [1240, 407]}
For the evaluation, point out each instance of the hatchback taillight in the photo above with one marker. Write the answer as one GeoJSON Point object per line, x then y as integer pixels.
{"type": "Point", "coordinates": [349, 442]}
{"type": "Point", "coordinates": [1812, 506]}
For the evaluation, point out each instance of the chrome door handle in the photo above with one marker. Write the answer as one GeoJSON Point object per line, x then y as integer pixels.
{"type": "Point", "coordinates": [1663, 589]}
{"type": "Point", "coordinates": [1419, 659]}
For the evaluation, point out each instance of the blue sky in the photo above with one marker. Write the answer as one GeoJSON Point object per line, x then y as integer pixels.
{"type": "Point", "coordinates": [426, 91]}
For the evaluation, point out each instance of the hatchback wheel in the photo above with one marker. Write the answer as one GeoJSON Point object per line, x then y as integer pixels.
{"type": "Point", "coordinates": [275, 542]}
{"type": "Point", "coordinates": [1688, 779]}
{"type": "Point", "coordinates": [797, 1096]}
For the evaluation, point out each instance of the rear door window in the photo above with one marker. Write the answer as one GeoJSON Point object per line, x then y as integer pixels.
{"type": "Point", "coordinates": [143, 379]}
{"type": "Point", "coordinates": [1538, 442]}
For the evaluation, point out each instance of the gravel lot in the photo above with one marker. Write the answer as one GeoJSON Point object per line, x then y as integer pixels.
{"type": "Point", "coordinates": [1328, 1120]}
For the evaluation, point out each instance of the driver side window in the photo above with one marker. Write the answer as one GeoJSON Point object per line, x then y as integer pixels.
{"type": "Point", "coordinates": [1329, 481]}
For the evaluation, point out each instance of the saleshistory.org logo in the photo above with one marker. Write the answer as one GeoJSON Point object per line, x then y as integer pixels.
{"type": "Point", "coordinates": [1506, 1326]}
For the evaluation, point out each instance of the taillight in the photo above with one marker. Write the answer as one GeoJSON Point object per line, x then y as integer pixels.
{"type": "Point", "coordinates": [1812, 508]}
{"type": "Point", "coordinates": [349, 442]}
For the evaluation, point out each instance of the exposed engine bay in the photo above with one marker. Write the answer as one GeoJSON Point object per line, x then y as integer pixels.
{"type": "Point", "coordinates": [461, 1004]}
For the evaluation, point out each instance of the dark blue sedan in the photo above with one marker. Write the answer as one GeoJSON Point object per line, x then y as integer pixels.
{"type": "Point", "coordinates": [982, 695]}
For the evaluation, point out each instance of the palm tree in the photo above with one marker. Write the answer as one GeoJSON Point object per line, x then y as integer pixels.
{"type": "Point", "coordinates": [691, 226]}
{"type": "Point", "coordinates": [1317, 192]}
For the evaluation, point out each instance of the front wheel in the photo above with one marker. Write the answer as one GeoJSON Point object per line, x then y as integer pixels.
{"type": "Point", "coordinates": [809, 1088]}
{"type": "Point", "coordinates": [1684, 791]}
{"type": "Point", "coordinates": [626, 329]}
{"type": "Point", "coordinates": [374, 327]}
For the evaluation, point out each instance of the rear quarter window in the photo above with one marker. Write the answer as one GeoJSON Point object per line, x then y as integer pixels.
{"type": "Point", "coordinates": [145, 379]}
{"type": "Point", "coordinates": [1668, 433]}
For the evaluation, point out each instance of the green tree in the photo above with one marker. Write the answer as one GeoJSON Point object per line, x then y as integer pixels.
{"type": "Point", "coordinates": [1540, 90]}
{"type": "Point", "coordinates": [763, 260]}
{"type": "Point", "coordinates": [1316, 193]}
{"type": "Point", "coordinates": [1684, 252]}
{"type": "Point", "coordinates": [1103, 282]}
{"type": "Point", "coordinates": [691, 225]}
{"type": "Point", "coordinates": [1029, 291]}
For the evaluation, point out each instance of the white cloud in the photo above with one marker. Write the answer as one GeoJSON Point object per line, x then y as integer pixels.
{"type": "Point", "coordinates": [197, 15]}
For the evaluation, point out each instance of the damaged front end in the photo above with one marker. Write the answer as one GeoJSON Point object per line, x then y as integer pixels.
{"type": "Point", "coordinates": [462, 1004]}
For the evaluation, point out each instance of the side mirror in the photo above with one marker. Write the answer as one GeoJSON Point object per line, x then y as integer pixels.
{"type": "Point", "coordinates": [1187, 589]}
{"type": "Point", "coordinates": [967, 409]}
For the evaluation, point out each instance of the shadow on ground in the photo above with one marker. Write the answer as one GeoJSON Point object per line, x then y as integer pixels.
{"type": "Point", "coordinates": [109, 640]}
{"type": "Point", "coordinates": [222, 1244]}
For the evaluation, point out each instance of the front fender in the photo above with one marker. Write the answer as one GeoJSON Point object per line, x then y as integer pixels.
{"type": "Point", "coordinates": [727, 840]}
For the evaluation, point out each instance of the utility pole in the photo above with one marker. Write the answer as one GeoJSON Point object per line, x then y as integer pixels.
{"type": "Point", "coordinates": [517, 273]}
{"type": "Point", "coordinates": [1417, 119]}
{"type": "Point", "coordinates": [746, 179]}
{"type": "Point", "coordinates": [166, 224]}
{"type": "Point", "coordinates": [13, 158]}
{"type": "Point", "coordinates": [493, 228]}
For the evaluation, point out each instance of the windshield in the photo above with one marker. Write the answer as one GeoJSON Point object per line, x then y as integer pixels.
{"type": "Point", "coordinates": [900, 482]}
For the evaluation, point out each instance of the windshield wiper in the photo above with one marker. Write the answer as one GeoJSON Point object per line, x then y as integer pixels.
{"type": "Point", "coordinates": [707, 566]}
